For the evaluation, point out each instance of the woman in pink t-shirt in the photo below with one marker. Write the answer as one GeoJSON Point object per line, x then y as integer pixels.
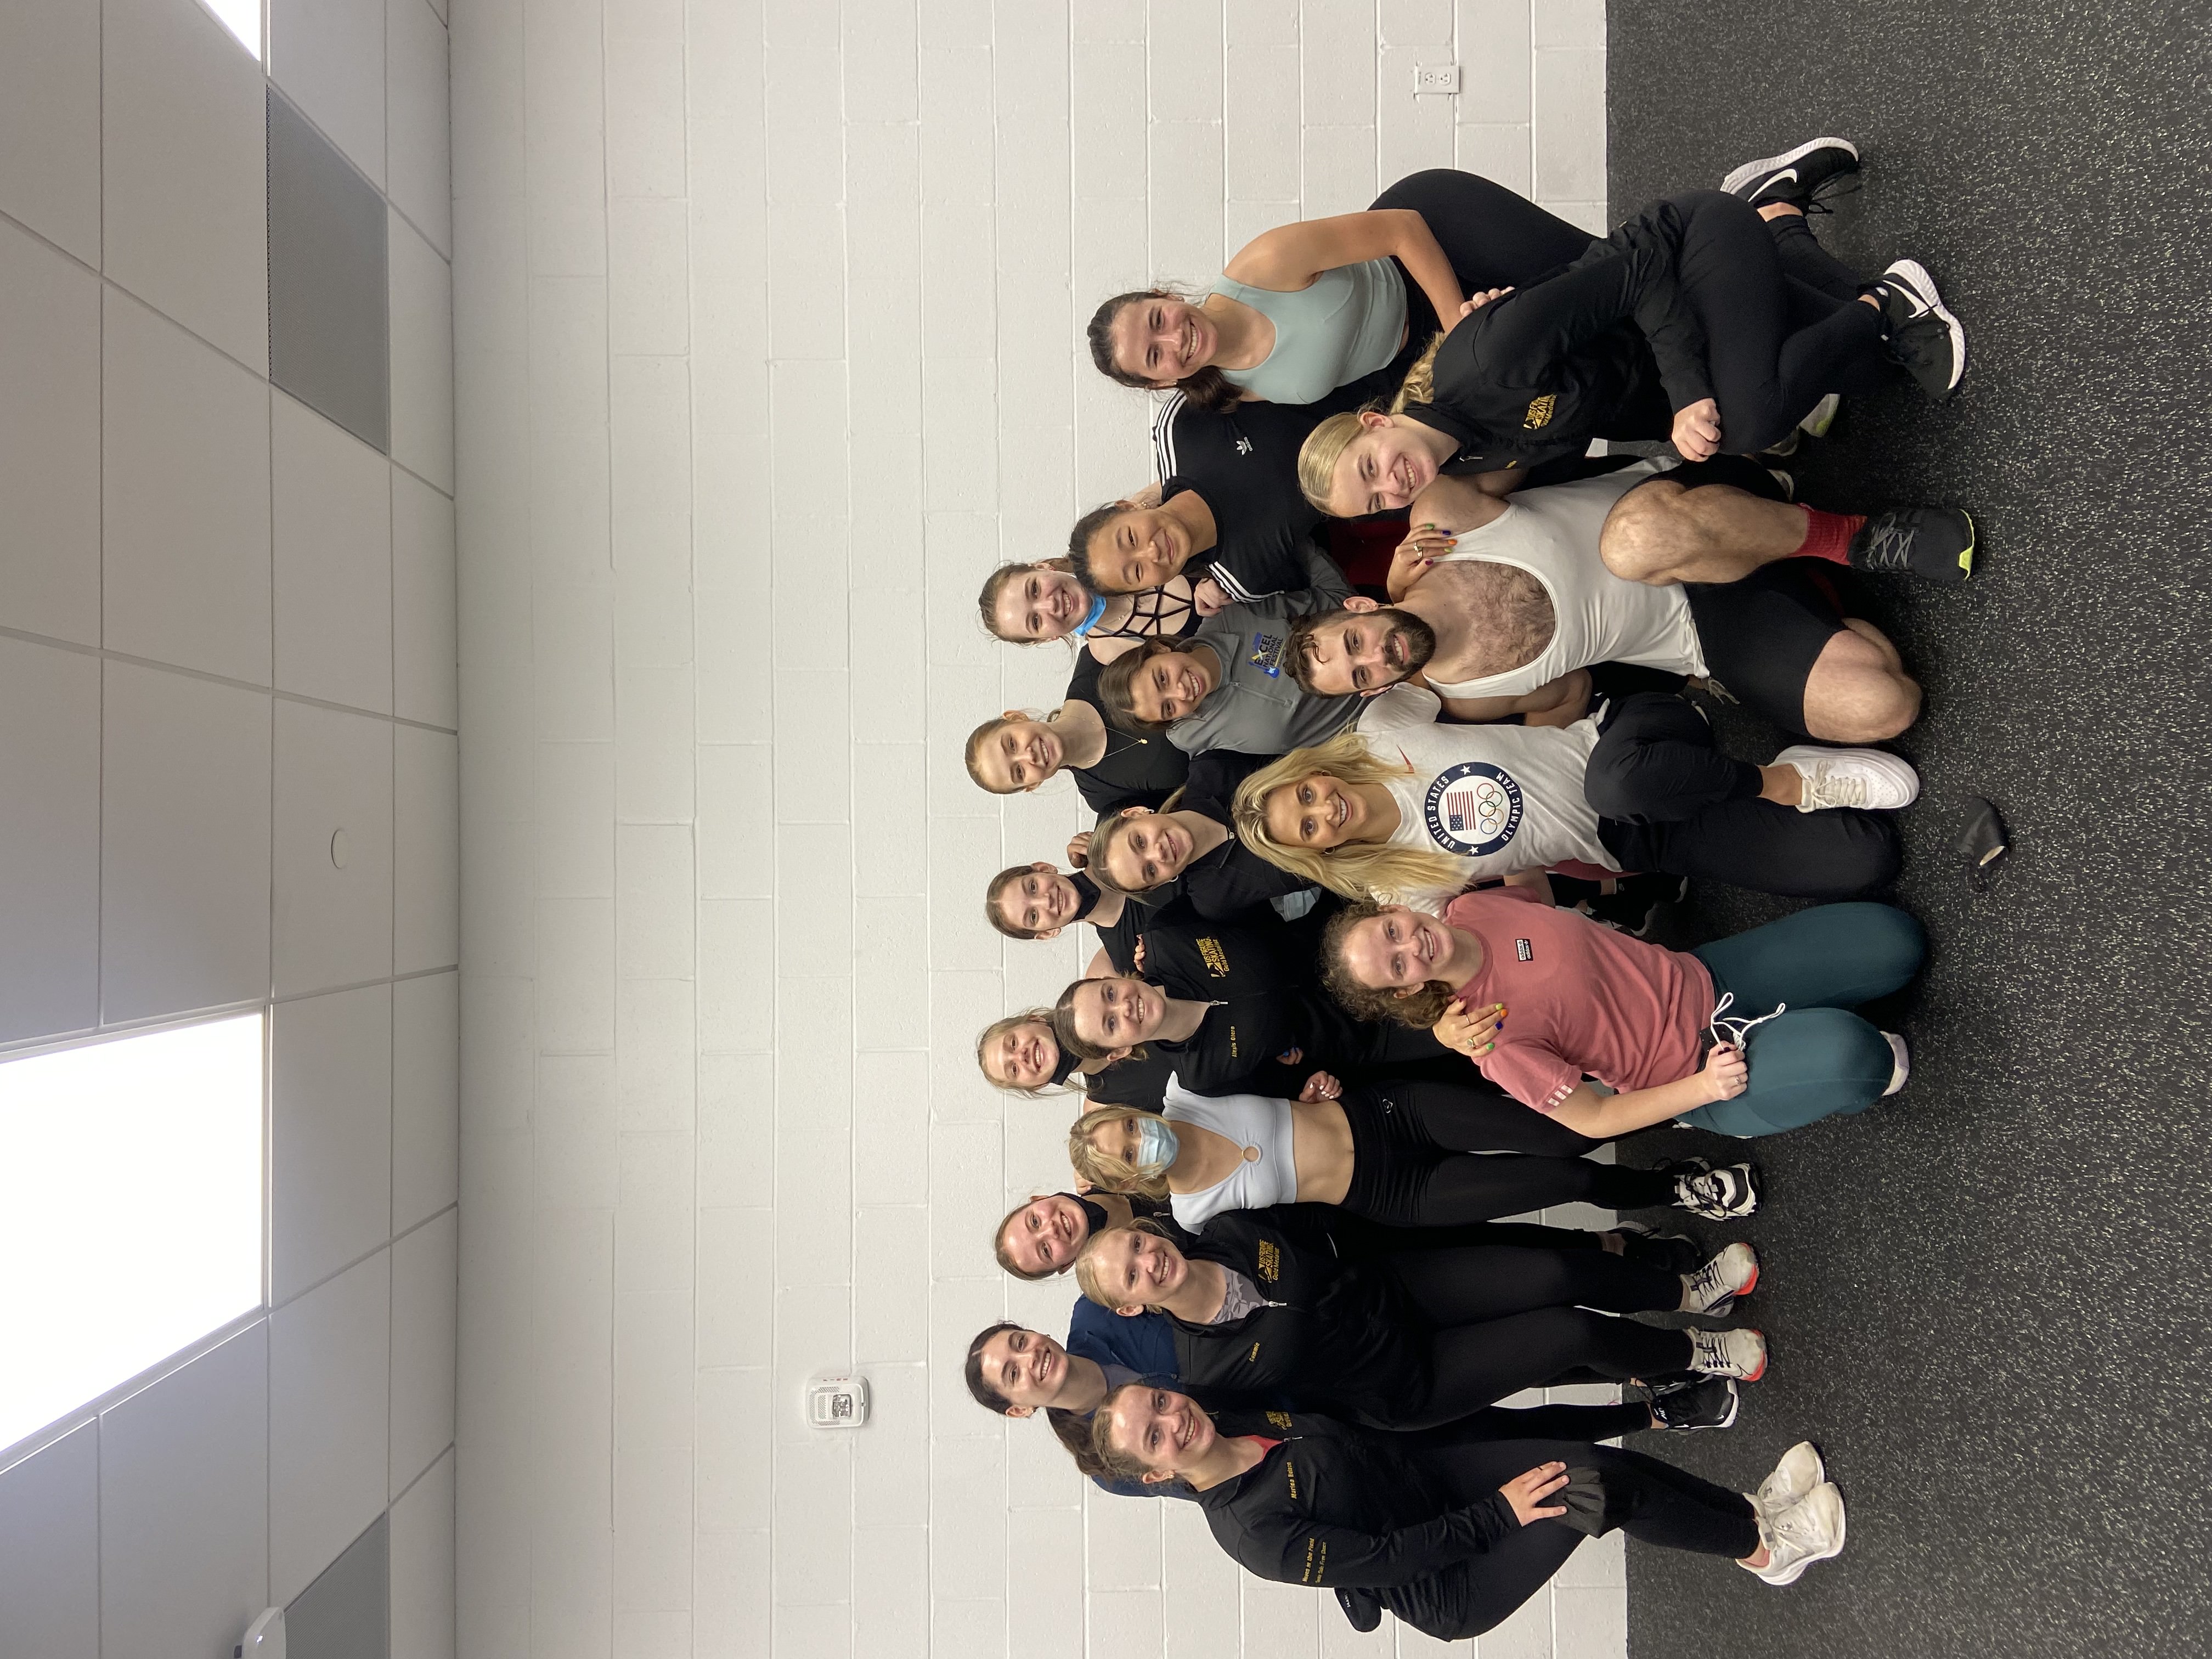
{"type": "Point", "coordinates": [1653, 1025]}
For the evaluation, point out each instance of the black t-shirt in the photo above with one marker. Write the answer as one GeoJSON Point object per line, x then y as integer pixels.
{"type": "Point", "coordinates": [1232, 882]}
{"type": "Point", "coordinates": [1140, 769]}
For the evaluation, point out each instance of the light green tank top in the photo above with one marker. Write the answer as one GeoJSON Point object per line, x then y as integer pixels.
{"type": "Point", "coordinates": [1348, 323]}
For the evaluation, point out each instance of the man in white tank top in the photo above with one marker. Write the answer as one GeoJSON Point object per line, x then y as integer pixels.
{"type": "Point", "coordinates": [1501, 604]}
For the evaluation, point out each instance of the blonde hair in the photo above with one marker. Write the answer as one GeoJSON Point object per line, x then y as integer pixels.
{"type": "Point", "coordinates": [999, 1028]}
{"type": "Point", "coordinates": [1358, 869]}
{"type": "Point", "coordinates": [1106, 1171]}
{"type": "Point", "coordinates": [1325, 445]}
{"type": "Point", "coordinates": [1086, 1267]}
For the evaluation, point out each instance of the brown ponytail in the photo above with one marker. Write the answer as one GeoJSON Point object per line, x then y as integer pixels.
{"type": "Point", "coordinates": [1209, 389]}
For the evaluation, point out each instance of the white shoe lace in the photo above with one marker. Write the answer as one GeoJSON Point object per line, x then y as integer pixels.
{"type": "Point", "coordinates": [1795, 1529]}
{"type": "Point", "coordinates": [1733, 1028]}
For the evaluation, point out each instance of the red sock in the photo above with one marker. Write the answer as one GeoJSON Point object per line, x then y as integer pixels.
{"type": "Point", "coordinates": [1828, 535]}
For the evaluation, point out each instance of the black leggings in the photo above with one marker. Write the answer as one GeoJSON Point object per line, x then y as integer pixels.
{"type": "Point", "coordinates": [1775, 344]}
{"type": "Point", "coordinates": [1493, 237]}
{"type": "Point", "coordinates": [1505, 1323]}
{"type": "Point", "coordinates": [1652, 1502]}
{"type": "Point", "coordinates": [1438, 1154]}
{"type": "Point", "coordinates": [1668, 800]}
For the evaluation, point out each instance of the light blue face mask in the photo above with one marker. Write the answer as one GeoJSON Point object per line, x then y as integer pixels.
{"type": "Point", "coordinates": [1098, 610]}
{"type": "Point", "coordinates": [1157, 1146]}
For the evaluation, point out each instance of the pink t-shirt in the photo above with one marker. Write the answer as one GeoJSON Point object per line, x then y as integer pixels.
{"type": "Point", "coordinates": [1581, 999]}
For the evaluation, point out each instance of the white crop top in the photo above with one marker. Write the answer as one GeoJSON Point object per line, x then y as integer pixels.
{"type": "Point", "coordinates": [1552, 533]}
{"type": "Point", "coordinates": [1267, 1175]}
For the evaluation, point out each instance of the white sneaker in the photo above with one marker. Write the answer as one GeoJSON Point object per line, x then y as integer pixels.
{"type": "Point", "coordinates": [1713, 1288]}
{"type": "Point", "coordinates": [1739, 1354]}
{"type": "Point", "coordinates": [1792, 1481]}
{"type": "Point", "coordinates": [1809, 1530]}
{"type": "Point", "coordinates": [1816, 424]}
{"type": "Point", "coordinates": [1871, 778]}
{"type": "Point", "coordinates": [1903, 1069]}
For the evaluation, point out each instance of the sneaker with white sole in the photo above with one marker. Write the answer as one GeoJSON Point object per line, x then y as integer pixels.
{"type": "Point", "coordinates": [1739, 1354]}
{"type": "Point", "coordinates": [1817, 169]}
{"type": "Point", "coordinates": [1714, 1288]}
{"type": "Point", "coordinates": [1724, 1194]}
{"type": "Point", "coordinates": [1816, 424]}
{"type": "Point", "coordinates": [1870, 778]}
{"type": "Point", "coordinates": [1924, 335]}
{"type": "Point", "coordinates": [1793, 1480]}
{"type": "Point", "coordinates": [1809, 1530]}
{"type": "Point", "coordinates": [1903, 1069]}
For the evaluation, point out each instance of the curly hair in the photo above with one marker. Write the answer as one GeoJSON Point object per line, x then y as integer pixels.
{"type": "Point", "coordinates": [1063, 1025]}
{"type": "Point", "coordinates": [1420, 1008]}
{"type": "Point", "coordinates": [1209, 389]}
{"type": "Point", "coordinates": [1358, 869]}
{"type": "Point", "coordinates": [1325, 445]}
{"type": "Point", "coordinates": [1113, 1462]}
{"type": "Point", "coordinates": [1117, 683]}
{"type": "Point", "coordinates": [1106, 1171]}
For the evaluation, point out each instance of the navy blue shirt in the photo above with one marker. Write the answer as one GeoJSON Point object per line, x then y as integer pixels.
{"type": "Point", "coordinates": [1145, 1344]}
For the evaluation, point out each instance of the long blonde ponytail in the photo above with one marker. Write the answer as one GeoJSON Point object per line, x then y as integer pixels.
{"type": "Point", "coordinates": [1325, 445]}
{"type": "Point", "coordinates": [1358, 869]}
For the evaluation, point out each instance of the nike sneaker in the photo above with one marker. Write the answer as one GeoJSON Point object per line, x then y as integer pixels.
{"type": "Point", "coordinates": [1814, 170]}
{"type": "Point", "coordinates": [1872, 779]}
{"type": "Point", "coordinates": [1925, 336]}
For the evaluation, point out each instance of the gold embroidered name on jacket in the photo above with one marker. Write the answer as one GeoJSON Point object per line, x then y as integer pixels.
{"type": "Point", "coordinates": [1540, 412]}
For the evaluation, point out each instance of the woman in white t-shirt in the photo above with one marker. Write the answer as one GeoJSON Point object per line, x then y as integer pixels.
{"type": "Point", "coordinates": [1415, 814]}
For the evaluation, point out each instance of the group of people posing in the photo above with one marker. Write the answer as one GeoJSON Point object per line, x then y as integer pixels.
{"type": "Point", "coordinates": [1372, 872]}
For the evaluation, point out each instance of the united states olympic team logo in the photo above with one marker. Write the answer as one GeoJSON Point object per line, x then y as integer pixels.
{"type": "Point", "coordinates": [1474, 808]}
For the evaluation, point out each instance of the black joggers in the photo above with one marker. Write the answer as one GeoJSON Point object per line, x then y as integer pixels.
{"type": "Point", "coordinates": [1668, 800]}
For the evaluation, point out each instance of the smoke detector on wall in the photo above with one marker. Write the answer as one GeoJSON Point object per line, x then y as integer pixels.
{"type": "Point", "coordinates": [837, 1401]}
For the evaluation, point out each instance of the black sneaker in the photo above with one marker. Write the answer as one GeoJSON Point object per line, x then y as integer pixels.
{"type": "Point", "coordinates": [1925, 336]}
{"type": "Point", "coordinates": [1935, 544]}
{"type": "Point", "coordinates": [1361, 1607]}
{"type": "Point", "coordinates": [1671, 1253]}
{"type": "Point", "coordinates": [1722, 1194]}
{"type": "Point", "coordinates": [1821, 169]}
{"type": "Point", "coordinates": [1709, 1402]}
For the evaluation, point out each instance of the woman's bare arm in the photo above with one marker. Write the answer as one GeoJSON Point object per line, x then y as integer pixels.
{"type": "Point", "coordinates": [1290, 257]}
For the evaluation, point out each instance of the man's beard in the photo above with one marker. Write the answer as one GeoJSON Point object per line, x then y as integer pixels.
{"type": "Point", "coordinates": [1420, 640]}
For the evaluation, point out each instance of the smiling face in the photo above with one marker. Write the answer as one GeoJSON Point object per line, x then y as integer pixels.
{"type": "Point", "coordinates": [1161, 1428]}
{"type": "Point", "coordinates": [1045, 1234]}
{"type": "Point", "coordinates": [1028, 1367]}
{"type": "Point", "coordinates": [1398, 949]}
{"type": "Point", "coordinates": [1042, 903]}
{"type": "Point", "coordinates": [1172, 684]}
{"type": "Point", "coordinates": [1019, 755]}
{"type": "Point", "coordinates": [1137, 549]}
{"type": "Point", "coordinates": [1117, 1013]}
{"type": "Point", "coordinates": [1384, 467]}
{"type": "Point", "coordinates": [1317, 811]}
{"type": "Point", "coordinates": [1138, 1269]}
{"type": "Point", "coordinates": [1039, 603]}
{"type": "Point", "coordinates": [1022, 1056]}
{"type": "Point", "coordinates": [1364, 651]}
{"type": "Point", "coordinates": [1160, 340]}
{"type": "Point", "coordinates": [1148, 853]}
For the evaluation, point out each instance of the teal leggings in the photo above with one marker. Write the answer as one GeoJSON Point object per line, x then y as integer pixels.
{"type": "Point", "coordinates": [1819, 1059]}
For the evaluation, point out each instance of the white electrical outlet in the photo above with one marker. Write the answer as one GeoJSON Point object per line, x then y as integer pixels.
{"type": "Point", "coordinates": [1435, 77]}
{"type": "Point", "coordinates": [834, 1401]}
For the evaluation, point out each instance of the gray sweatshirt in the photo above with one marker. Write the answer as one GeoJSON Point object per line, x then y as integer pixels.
{"type": "Point", "coordinates": [1258, 708]}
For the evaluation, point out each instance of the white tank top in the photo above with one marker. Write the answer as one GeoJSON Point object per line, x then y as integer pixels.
{"type": "Point", "coordinates": [1254, 1122]}
{"type": "Point", "coordinates": [1493, 799]}
{"type": "Point", "coordinates": [1551, 533]}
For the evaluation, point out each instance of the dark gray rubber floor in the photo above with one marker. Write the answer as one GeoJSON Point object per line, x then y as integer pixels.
{"type": "Point", "coordinates": [1989, 1299]}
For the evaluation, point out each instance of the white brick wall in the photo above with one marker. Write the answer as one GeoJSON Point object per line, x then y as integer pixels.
{"type": "Point", "coordinates": [767, 334]}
